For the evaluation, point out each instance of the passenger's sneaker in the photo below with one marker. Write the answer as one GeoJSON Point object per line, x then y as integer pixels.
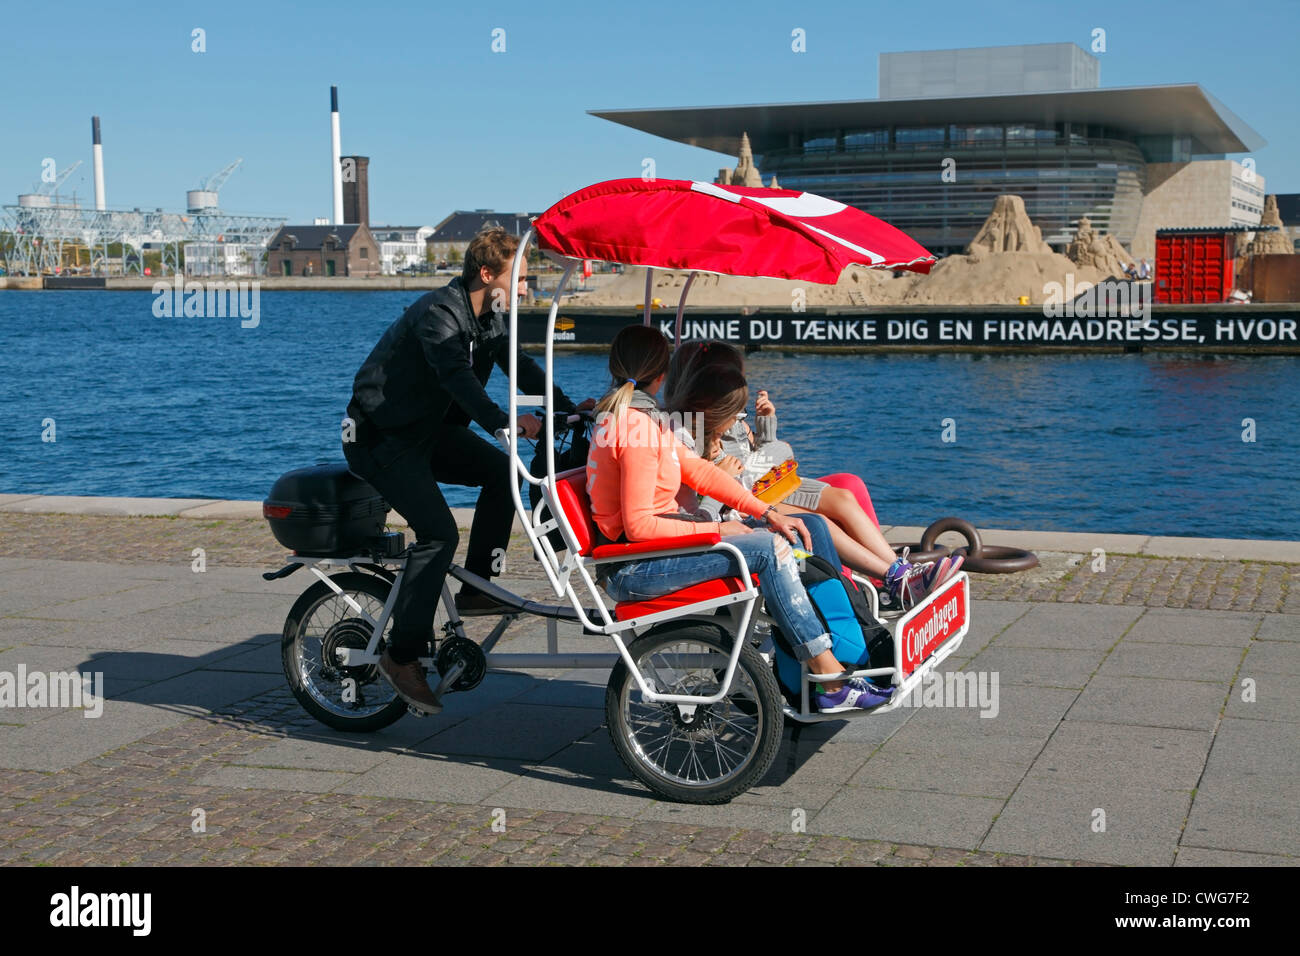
{"type": "Point", "coordinates": [895, 574]}
{"type": "Point", "coordinates": [856, 694]}
{"type": "Point", "coordinates": [912, 583]}
{"type": "Point", "coordinates": [410, 682]}
{"type": "Point", "coordinates": [920, 580]}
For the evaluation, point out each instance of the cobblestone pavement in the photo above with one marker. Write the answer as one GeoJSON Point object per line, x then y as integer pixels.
{"type": "Point", "coordinates": [136, 803]}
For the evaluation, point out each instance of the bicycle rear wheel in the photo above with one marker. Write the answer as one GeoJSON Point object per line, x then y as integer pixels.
{"type": "Point", "coordinates": [710, 754]}
{"type": "Point", "coordinates": [319, 626]}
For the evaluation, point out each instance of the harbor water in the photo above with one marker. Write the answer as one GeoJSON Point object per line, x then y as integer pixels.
{"type": "Point", "coordinates": [215, 407]}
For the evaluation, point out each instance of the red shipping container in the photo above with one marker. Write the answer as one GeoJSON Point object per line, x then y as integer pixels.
{"type": "Point", "coordinates": [1194, 265]}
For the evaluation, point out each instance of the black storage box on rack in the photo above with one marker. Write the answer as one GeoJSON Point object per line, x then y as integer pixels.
{"type": "Point", "coordinates": [324, 511]}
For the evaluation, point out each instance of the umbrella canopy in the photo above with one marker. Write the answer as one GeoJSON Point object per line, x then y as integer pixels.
{"type": "Point", "coordinates": [730, 230]}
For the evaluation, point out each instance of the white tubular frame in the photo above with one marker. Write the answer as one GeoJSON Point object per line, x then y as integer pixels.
{"type": "Point", "coordinates": [560, 573]}
{"type": "Point", "coordinates": [902, 688]}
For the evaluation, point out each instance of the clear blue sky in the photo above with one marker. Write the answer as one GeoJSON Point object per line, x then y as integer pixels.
{"type": "Point", "coordinates": [449, 124]}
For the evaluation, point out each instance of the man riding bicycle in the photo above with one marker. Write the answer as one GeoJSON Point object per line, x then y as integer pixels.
{"type": "Point", "coordinates": [412, 402]}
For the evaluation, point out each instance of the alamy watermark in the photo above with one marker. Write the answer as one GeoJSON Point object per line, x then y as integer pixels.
{"type": "Point", "coordinates": [128, 910]}
{"type": "Point", "coordinates": [958, 689]}
{"type": "Point", "coordinates": [61, 689]}
{"type": "Point", "coordinates": [209, 299]}
{"type": "Point", "coordinates": [1108, 299]}
{"type": "Point", "coordinates": [652, 430]}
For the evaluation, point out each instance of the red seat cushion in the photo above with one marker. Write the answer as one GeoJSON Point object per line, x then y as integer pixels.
{"type": "Point", "coordinates": [718, 587]}
{"type": "Point", "coordinates": [657, 544]}
{"type": "Point", "coordinates": [571, 490]}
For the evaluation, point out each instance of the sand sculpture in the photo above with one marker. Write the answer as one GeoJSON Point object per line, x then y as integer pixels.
{"type": "Point", "coordinates": [1104, 253]}
{"type": "Point", "coordinates": [745, 173]}
{"type": "Point", "coordinates": [1008, 229]}
{"type": "Point", "coordinates": [1271, 243]}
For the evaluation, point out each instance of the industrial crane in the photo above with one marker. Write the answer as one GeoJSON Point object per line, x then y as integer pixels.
{"type": "Point", "coordinates": [214, 182]}
{"type": "Point", "coordinates": [204, 199]}
{"type": "Point", "coordinates": [52, 188]}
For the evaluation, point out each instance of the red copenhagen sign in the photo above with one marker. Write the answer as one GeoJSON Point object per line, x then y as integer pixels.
{"type": "Point", "coordinates": [941, 618]}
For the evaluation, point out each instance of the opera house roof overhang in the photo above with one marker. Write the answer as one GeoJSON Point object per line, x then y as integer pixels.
{"type": "Point", "coordinates": [1176, 110]}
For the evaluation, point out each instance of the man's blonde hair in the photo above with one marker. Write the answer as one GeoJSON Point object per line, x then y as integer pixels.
{"type": "Point", "coordinates": [493, 248]}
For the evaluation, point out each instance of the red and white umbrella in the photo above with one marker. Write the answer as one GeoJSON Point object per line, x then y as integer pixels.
{"type": "Point", "coordinates": [729, 230]}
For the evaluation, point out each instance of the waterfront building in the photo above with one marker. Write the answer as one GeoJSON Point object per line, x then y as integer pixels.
{"type": "Point", "coordinates": [401, 247]}
{"type": "Point", "coordinates": [348, 250]}
{"type": "Point", "coordinates": [451, 236]}
{"type": "Point", "coordinates": [954, 129]}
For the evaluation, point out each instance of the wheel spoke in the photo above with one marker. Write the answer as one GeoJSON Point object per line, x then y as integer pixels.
{"type": "Point", "coordinates": [711, 745]}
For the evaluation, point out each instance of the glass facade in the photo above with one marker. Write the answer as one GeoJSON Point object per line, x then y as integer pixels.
{"type": "Point", "coordinates": [938, 183]}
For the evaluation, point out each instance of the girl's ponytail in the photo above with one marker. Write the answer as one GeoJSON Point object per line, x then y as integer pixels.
{"type": "Point", "coordinates": [614, 402]}
{"type": "Point", "coordinates": [638, 356]}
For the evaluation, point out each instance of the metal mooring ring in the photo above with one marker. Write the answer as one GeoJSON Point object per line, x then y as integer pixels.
{"type": "Point", "coordinates": [980, 558]}
{"type": "Point", "coordinates": [995, 559]}
{"type": "Point", "coordinates": [963, 527]}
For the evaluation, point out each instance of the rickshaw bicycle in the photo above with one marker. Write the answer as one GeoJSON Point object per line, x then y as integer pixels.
{"type": "Point", "coordinates": [692, 704]}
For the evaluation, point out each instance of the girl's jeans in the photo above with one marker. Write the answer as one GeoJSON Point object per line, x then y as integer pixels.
{"type": "Point", "coordinates": [778, 577]}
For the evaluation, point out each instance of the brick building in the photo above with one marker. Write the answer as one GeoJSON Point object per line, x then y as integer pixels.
{"type": "Point", "coordinates": [323, 251]}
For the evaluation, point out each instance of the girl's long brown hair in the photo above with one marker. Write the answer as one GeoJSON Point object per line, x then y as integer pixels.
{"type": "Point", "coordinates": [691, 358]}
{"type": "Point", "coordinates": [716, 392]}
{"type": "Point", "coordinates": [640, 354]}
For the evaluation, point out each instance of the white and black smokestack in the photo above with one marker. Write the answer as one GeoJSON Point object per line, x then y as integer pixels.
{"type": "Point", "coordinates": [97, 150]}
{"type": "Point", "coordinates": [335, 157]}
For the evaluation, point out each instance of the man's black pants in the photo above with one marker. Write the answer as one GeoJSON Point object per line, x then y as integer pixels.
{"type": "Point", "coordinates": [406, 470]}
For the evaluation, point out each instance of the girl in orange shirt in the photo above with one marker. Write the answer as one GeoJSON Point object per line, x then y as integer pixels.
{"type": "Point", "coordinates": [634, 472]}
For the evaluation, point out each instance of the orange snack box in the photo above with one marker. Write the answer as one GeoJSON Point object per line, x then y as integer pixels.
{"type": "Point", "coordinates": [778, 482]}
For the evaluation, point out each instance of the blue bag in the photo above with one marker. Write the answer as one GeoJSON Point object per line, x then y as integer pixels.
{"type": "Point", "coordinates": [857, 639]}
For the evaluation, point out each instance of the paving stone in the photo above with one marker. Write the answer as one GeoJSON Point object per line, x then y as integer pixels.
{"type": "Point", "coordinates": [521, 731]}
{"type": "Point", "coordinates": [806, 774]}
{"type": "Point", "coordinates": [1070, 627]}
{"type": "Point", "coordinates": [1280, 627]}
{"type": "Point", "coordinates": [1191, 705]}
{"type": "Point", "coordinates": [429, 777]}
{"type": "Point", "coordinates": [1259, 824]}
{"type": "Point", "coordinates": [770, 819]}
{"type": "Point", "coordinates": [1217, 628]}
{"type": "Point", "coordinates": [1055, 819]}
{"type": "Point", "coordinates": [587, 776]}
{"type": "Point", "coordinates": [1277, 697]}
{"type": "Point", "coordinates": [1272, 658]}
{"type": "Point", "coordinates": [1022, 711]}
{"type": "Point", "coordinates": [1158, 757]}
{"type": "Point", "coordinates": [1038, 667]}
{"type": "Point", "coordinates": [907, 816]}
{"type": "Point", "coordinates": [1251, 759]}
{"type": "Point", "coordinates": [1172, 662]}
{"type": "Point", "coordinates": [962, 765]}
{"type": "Point", "coordinates": [262, 778]}
{"type": "Point", "coordinates": [1201, 856]}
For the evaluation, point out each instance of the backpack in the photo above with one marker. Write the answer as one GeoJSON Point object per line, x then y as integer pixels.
{"type": "Point", "coordinates": [857, 639]}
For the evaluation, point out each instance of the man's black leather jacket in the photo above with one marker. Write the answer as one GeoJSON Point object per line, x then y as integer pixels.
{"type": "Point", "coordinates": [430, 366]}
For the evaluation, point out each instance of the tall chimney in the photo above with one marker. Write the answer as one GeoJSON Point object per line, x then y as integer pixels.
{"type": "Point", "coordinates": [356, 192]}
{"type": "Point", "coordinates": [334, 155]}
{"type": "Point", "coordinates": [98, 150]}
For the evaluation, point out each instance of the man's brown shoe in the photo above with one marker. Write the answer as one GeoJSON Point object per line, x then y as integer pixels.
{"type": "Point", "coordinates": [410, 683]}
{"type": "Point", "coordinates": [474, 603]}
